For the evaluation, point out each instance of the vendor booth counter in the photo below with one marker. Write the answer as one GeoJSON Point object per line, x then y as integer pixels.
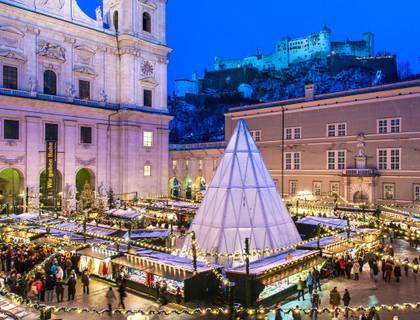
{"type": "Point", "coordinates": [274, 277]}
{"type": "Point", "coordinates": [96, 261]}
{"type": "Point", "coordinates": [147, 267]}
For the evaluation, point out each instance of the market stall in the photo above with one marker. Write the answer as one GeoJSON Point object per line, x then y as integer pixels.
{"type": "Point", "coordinates": [11, 310]}
{"type": "Point", "coordinates": [146, 267]}
{"type": "Point", "coordinates": [275, 276]}
{"type": "Point", "coordinates": [97, 261]}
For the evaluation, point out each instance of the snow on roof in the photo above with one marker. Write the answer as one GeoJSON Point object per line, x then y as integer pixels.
{"type": "Point", "coordinates": [242, 202]}
{"type": "Point", "coordinates": [121, 213]}
{"type": "Point", "coordinates": [282, 258]}
{"type": "Point", "coordinates": [330, 222]}
{"type": "Point", "coordinates": [138, 234]}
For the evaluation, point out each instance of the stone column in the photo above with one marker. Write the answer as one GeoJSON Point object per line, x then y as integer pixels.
{"type": "Point", "coordinates": [69, 165]}
{"type": "Point", "coordinates": [102, 155]}
{"type": "Point", "coordinates": [33, 159]}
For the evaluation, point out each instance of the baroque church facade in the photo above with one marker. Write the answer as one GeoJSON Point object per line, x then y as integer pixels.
{"type": "Point", "coordinates": [96, 87]}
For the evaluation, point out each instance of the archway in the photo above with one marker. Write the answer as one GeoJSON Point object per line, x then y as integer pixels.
{"type": "Point", "coordinates": [174, 187]}
{"type": "Point", "coordinates": [11, 191]}
{"type": "Point", "coordinates": [360, 196]}
{"type": "Point", "coordinates": [187, 187]}
{"type": "Point", "coordinates": [82, 176]}
{"type": "Point", "coordinates": [42, 188]}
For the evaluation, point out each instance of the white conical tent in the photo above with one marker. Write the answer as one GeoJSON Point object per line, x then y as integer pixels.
{"type": "Point", "coordinates": [242, 202]}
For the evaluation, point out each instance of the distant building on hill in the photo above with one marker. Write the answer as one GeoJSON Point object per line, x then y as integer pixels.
{"type": "Point", "coordinates": [289, 51]}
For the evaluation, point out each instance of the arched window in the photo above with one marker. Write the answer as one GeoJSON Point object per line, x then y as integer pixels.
{"type": "Point", "coordinates": [115, 20]}
{"type": "Point", "coordinates": [147, 22]}
{"type": "Point", "coordinates": [50, 82]}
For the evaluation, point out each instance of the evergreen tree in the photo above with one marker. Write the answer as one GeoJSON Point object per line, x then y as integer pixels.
{"type": "Point", "coordinates": [111, 199]}
{"type": "Point", "coordinates": [87, 197]}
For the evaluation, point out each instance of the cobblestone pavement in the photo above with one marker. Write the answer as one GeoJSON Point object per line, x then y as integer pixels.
{"type": "Point", "coordinates": [362, 291]}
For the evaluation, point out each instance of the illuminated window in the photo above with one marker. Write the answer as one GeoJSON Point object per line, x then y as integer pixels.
{"type": "Point", "coordinates": [147, 139]}
{"type": "Point", "coordinates": [317, 186]}
{"type": "Point", "coordinates": [147, 170]}
{"type": "Point", "coordinates": [174, 165]}
{"type": "Point", "coordinates": [335, 188]}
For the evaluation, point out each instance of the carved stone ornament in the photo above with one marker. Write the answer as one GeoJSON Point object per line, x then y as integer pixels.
{"type": "Point", "coordinates": [86, 162]}
{"type": "Point", "coordinates": [70, 91]}
{"type": "Point", "coordinates": [11, 161]}
{"type": "Point", "coordinates": [147, 68]}
{"type": "Point", "coordinates": [85, 70]}
{"type": "Point", "coordinates": [53, 4]}
{"type": "Point", "coordinates": [9, 54]}
{"type": "Point", "coordinates": [104, 96]}
{"type": "Point", "coordinates": [52, 51]}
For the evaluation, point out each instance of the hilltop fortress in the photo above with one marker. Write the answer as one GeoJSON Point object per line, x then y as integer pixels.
{"type": "Point", "coordinates": [289, 51]}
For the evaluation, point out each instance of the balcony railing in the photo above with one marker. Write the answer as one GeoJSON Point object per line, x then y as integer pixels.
{"type": "Point", "coordinates": [366, 172]}
{"type": "Point", "coordinates": [196, 146]}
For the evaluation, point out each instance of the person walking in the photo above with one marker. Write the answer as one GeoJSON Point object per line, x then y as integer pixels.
{"type": "Point", "coordinates": [309, 283]}
{"type": "Point", "coordinates": [121, 291]}
{"type": "Point", "coordinates": [178, 295]}
{"type": "Point", "coordinates": [85, 282]}
{"type": "Point", "coordinates": [316, 302]}
{"type": "Point", "coordinates": [71, 283]}
{"type": "Point", "coordinates": [300, 289]}
{"type": "Point", "coordinates": [406, 262]}
{"type": "Point", "coordinates": [346, 298]}
{"type": "Point", "coordinates": [388, 271]}
{"type": "Point", "coordinates": [397, 272]}
{"type": "Point", "coordinates": [110, 299]}
{"type": "Point", "coordinates": [278, 313]}
{"type": "Point", "coordinates": [335, 298]}
{"type": "Point", "coordinates": [316, 276]}
{"type": "Point", "coordinates": [356, 270]}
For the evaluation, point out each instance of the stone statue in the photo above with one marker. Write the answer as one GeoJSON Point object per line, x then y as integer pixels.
{"type": "Point", "coordinates": [102, 190]}
{"type": "Point", "coordinates": [104, 96]}
{"type": "Point", "coordinates": [70, 91]}
{"type": "Point", "coordinates": [98, 14]}
{"type": "Point", "coordinates": [32, 84]}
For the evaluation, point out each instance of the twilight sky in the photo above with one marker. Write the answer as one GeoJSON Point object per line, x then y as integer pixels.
{"type": "Point", "coordinates": [199, 30]}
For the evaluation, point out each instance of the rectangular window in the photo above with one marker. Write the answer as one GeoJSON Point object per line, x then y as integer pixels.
{"type": "Point", "coordinates": [389, 159]}
{"type": "Point", "coordinates": [200, 164]}
{"type": "Point", "coordinates": [187, 164]}
{"type": "Point", "coordinates": [316, 188]}
{"type": "Point", "coordinates": [51, 132]}
{"type": "Point", "coordinates": [215, 162]}
{"type": "Point", "coordinates": [337, 130]}
{"type": "Point", "coordinates": [292, 161]}
{"type": "Point", "coordinates": [292, 133]}
{"type": "Point", "coordinates": [417, 192]}
{"type": "Point", "coordinates": [11, 129]}
{"type": "Point", "coordinates": [389, 125]}
{"type": "Point", "coordinates": [86, 135]}
{"type": "Point", "coordinates": [174, 165]}
{"type": "Point", "coordinates": [292, 187]}
{"type": "Point", "coordinates": [335, 188]}
{"type": "Point", "coordinates": [84, 90]}
{"type": "Point", "coordinates": [10, 77]}
{"type": "Point", "coordinates": [256, 135]}
{"type": "Point", "coordinates": [147, 139]}
{"type": "Point", "coordinates": [147, 170]}
{"type": "Point", "coordinates": [147, 98]}
{"type": "Point", "coordinates": [388, 191]}
{"type": "Point", "coordinates": [336, 160]}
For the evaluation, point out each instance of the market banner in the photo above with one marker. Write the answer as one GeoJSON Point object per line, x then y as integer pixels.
{"type": "Point", "coordinates": [51, 172]}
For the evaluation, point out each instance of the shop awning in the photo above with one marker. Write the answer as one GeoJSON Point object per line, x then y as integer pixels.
{"type": "Point", "coordinates": [141, 234]}
{"type": "Point", "coordinates": [329, 222]}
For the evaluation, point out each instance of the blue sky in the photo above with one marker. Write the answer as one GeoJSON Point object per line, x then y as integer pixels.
{"type": "Point", "coordinates": [199, 30]}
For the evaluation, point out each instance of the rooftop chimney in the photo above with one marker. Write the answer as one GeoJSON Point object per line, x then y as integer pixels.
{"type": "Point", "coordinates": [309, 91]}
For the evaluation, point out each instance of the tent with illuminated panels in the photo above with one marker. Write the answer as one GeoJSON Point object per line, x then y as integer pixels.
{"type": "Point", "coordinates": [242, 202]}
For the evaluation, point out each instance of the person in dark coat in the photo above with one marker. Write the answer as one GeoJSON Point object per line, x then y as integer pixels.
{"type": "Point", "coordinates": [397, 272]}
{"type": "Point", "coordinates": [59, 290]}
{"type": "Point", "coordinates": [346, 298]}
{"type": "Point", "coordinates": [85, 282]}
{"type": "Point", "coordinates": [121, 291]}
{"type": "Point", "coordinates": [49, 287]}
{"type": "Point", "coordinates": [71, 283]}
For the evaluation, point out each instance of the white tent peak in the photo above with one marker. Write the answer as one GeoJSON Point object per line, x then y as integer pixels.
{"type": "Point", "coordinates": [242, 202]}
